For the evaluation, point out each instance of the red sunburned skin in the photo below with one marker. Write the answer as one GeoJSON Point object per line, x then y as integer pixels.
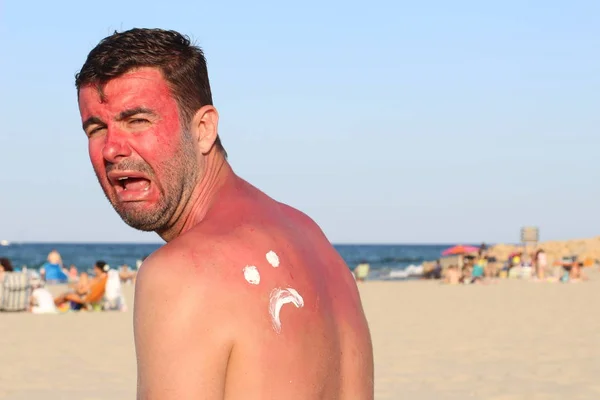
{"type": "Point", "coordinates": [134, 133]}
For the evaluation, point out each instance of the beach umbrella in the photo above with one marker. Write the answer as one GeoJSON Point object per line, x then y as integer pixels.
{"type": "Point", "coordinates": [460, 249]}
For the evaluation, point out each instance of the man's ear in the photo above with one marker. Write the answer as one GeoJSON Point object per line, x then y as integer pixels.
{"type": "Point", "coordinates": [204, 127]}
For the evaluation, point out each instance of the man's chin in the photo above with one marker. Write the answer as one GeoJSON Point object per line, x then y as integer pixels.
{"type": "Point", "coordinates": [147, 221]}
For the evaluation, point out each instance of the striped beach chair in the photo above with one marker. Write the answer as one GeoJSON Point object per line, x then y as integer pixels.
{"type": "Point", "coordinates": [15, 292]}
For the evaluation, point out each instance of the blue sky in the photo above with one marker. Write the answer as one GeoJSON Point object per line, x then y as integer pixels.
{"type": "Point", "coordinates": [385, 121]}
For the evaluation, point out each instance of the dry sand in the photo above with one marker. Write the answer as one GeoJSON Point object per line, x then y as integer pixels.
{"type": "Point", "coordinates": [504, 341]}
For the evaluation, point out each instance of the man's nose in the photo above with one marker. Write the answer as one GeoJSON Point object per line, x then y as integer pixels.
{"type": "Point", "coordinates": [116, 146]}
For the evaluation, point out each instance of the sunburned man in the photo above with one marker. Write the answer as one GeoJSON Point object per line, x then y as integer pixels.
{"type": "Point", "coordinates": [247, 299]}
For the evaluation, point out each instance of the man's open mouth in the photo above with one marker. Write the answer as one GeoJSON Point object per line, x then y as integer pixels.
{"type": "Point", "coordinates": [133, 183]}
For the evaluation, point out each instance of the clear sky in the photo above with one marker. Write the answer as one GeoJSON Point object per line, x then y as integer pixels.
{"type": "Point", "coordinates": [385, 121]}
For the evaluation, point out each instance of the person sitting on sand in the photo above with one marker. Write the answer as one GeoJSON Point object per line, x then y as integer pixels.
{"type": "Point", "coordinates": [491, 269]}
{"type": "Point", "coordinates": [126, 274]}
{"type": "Point", "coordinates": [566, 267]}
{"type": "Point", "coordinates": [436, 273]}
{"type": "Point", "coordinates": [466, 273]}
{"type": "Point", "coordinates": [514, 261]}
{"type": "Point", "coordinates": [40, 301]}
{"type": "Point", "coordinates": [73, 273]}
{"type": "Point", "coordinates": [94, 295]}
{"type": "Point", "coordinates": [452, 276]}
{"type": "Point", "coordinates": [5, 266]}
{"type": "Point", "coordinates": [82, 287]}
{"type": "Point", "coordinates": [576, 274]}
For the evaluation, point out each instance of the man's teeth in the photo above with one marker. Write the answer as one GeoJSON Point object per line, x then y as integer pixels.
{"type": "Point", "coordinates": [124, 178]}
{"type": "Point", "coordinates": [122, 182]}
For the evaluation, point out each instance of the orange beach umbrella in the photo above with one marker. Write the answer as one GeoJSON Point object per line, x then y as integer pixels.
{"type": "Point", "coordinates": [460, 249]}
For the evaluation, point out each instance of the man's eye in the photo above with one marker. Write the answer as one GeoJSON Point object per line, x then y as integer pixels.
{"type": "Point", "coordinates": [139, 121]}
{"type": "Point", "coordinates": [95, 130]}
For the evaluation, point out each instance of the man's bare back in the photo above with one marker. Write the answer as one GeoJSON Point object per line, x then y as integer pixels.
{"type": "Point", "coordinates": [248, 299]}
{"type": "Point", "coordinates": [241, 270]}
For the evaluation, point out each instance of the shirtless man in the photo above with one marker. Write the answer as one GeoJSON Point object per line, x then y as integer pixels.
{"type": "Point", "coordinates": [248, 299]}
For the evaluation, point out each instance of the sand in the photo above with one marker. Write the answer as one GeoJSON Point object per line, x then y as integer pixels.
{"type": "Point", "coordinates": [510, 340]}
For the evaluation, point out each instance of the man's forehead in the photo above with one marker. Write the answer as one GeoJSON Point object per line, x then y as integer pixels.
{"type": "Point", "coordinates": [145, 85]}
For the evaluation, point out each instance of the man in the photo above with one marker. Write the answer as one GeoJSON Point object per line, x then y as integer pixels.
{"type": "Point", "coordinates": [248, 299]}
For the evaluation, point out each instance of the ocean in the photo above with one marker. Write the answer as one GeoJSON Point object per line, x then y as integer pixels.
{"type": "Point", "coordinates": [388, 261]}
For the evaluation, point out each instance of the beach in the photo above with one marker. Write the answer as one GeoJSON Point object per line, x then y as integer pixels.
{"type": "Point", "coordinates": [512, 339]}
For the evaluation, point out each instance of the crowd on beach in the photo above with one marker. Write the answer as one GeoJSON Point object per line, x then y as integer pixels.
{"type": "Point", "coordinates": [471, 265]}
{"type": "Point", "coordinates": [97, 290]}
{"type": "Point", "coordinates": [481, 268]}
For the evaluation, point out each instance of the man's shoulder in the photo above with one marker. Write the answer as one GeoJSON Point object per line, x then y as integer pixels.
{"type": "Point", "coordinates": [181, 260]}
{"type": "Point", "coordinates": [204, 261]}
{"type": "Point", "coordinates": [181, 283]}
{"type": "Point", "coordinates": [222, 255]}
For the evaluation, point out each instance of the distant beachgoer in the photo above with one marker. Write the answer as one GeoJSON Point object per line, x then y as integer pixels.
{"type": "Point", "coordinates": [5, 266]}
{"type": "Point", "coordinates": [452, 275]}
{"type": "Point", "coordinates": [55, 258]}
{"type": "Point", "coordinates": [114, 300]}
{"type": "Point", "coordinates": [53, 270]}
{"type": "Point", "coordinates": [437, 270]}
{"type": "Point", "coordinates": [97, 287]}
{"type": "Point", "coordinates": [126, 274]}
{"type": "Point", "coordinates": [41, 300]}
{"type": "Point", "coordinates": [246, 287]}
{"type": "Point", "coordinates": [516, 260]}
{"type": "Point", "coordinates": [82, 287]}
{"type": "Point", "coordinates": [490, 267]}
{"type": "Point", "coordinates": [479, 267]}
{"type": "Point", "coordinates": [541, 263]}
{"type": "Point", "coordinates": [73, 273]}
{"type": "Point", "coordinates": [576, 274]}
{"type": "Point", "coordinates": [361, 272]}
{"type": "Point", "coordinates": [466, 273]}
{"type": "Point", "coordinates": [483, 250]}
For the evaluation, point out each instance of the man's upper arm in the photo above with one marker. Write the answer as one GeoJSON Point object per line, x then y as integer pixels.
{"type": "Point", "coordinates": [182, 343]}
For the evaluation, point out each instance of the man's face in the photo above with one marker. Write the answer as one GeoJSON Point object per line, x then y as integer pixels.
{"type": "Point", "coordinates": [144, 162]}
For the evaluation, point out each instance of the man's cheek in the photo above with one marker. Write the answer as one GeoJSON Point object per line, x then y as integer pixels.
{"type": "Point", "coordinates": [96, 159]}
{"type": "Point", "coordinates": [95, 151]}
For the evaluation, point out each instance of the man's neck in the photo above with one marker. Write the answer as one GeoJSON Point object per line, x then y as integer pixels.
{"type": "Point", "coordinates": [217, 174]}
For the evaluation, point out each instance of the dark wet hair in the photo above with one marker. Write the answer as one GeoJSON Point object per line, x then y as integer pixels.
{"type": "Point", "coordinates": [102, 265]}
{"type": "Point", "coordinates": [182, 64]}
{"type": "Point", "coordinates": [6, 264]}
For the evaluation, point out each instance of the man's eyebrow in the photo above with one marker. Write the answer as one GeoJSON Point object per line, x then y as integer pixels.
{"type": "Point", "coordinates": [122, 115]}
{"type": "Point", "coordinates": [133, 111]}
{"type": "Point", "coordinates": [92, 121]}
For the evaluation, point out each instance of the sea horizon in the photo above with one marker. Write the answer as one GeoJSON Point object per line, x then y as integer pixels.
{"type": "Point", "coordinates": [382, 257]}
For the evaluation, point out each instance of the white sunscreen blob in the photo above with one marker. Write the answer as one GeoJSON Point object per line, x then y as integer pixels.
{"type": "Point", "coordinates": [251, 274]}
{"type": "Point", "coordinates": [280, 297]}
{"type": "Point", "coordinates": [273, 259]}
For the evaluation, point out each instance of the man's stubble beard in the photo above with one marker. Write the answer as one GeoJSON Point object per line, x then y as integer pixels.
{"type": "Point", "coordinates": [180, 176]}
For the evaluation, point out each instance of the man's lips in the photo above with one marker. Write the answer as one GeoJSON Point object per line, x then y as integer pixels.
{"type": "Point", "coordinates": [117, 178]}
{"type": "Point", "coordinates": [130, 185]}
